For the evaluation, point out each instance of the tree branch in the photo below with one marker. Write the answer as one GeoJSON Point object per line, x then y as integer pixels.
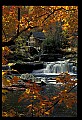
{"type": "Point", "coordinates": [55, 11]}
{"type": "Point", "coordinates": [59, 99]}
{"type": "Point", "coordinates": [71, 89]}
{"type": "Point", "coordinates": [51, 14]}
{"type": "Point", "coordinates": [11, 42]}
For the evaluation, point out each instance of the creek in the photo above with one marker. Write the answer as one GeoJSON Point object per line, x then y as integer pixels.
{"type": "Point", "coordinates": [50, 70]}
{"type": "Point", "coordinates": [55, 68]}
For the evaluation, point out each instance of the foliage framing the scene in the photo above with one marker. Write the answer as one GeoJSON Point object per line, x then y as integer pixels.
{"type": "Point", "coordinates": [39, 17]}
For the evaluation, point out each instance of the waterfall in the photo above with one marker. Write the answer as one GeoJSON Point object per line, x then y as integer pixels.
{"type": "Point", "coordinates": [57, 68]}
{"type": "Point", "coordinates": [49, 67]}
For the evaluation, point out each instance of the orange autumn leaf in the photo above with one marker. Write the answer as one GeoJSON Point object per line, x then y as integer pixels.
{"type": "Point", "coordinates": [29, 106]}
{"type": "Point", "coordinates": [15, 79]}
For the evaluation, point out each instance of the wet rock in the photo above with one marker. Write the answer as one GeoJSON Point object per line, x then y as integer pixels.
{"type": "Point", "coordinates": [27, 67]}
{"type": "Point", "coordinates": [27, 77]}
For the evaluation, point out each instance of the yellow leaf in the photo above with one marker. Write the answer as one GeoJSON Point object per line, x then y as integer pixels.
{"type": "Point", "coordinates": [65, 90]}
{"type": "Point", "coordinates": [43, 104]}
{"type": "Point", "coordinates": [33, 92]}
{"type": "Point", "coordinates": [47, 113]}
{"type": "Point", "coordinates": [4, 91]}
{"type": "Point", "coordinates": [3, 98]}
{"type": "Point", "coordinates": [35, 97]}
{"type": "Point", "coordinates": [3, 73]}
{"type": "Point", "coordinates": [8, 81]}
{"type": "Point", "coordinates": [5, 82]}
{"type": "Point", "coordinates": [10, 64]}
{"type": "Point", "coordinates": [3, 48]}
{"type": "Point", "coordinates": [27, 91]}
{"type": "Point", "coordinates": [4, 114]}
{"type": "Point", "coordinates": [54, 97]}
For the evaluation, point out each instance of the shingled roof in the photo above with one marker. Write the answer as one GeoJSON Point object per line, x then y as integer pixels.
{"type": "Point", "coordinates": [39, 35]}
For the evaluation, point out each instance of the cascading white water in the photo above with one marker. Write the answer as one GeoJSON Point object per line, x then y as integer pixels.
{"type": "Point", "coordinates": [58, 67]}
{"type": "Point", "coordinates": [53, 69]}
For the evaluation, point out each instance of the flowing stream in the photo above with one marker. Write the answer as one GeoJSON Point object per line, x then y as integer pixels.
{"type": "Point", "coordinates": [55, 68]}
